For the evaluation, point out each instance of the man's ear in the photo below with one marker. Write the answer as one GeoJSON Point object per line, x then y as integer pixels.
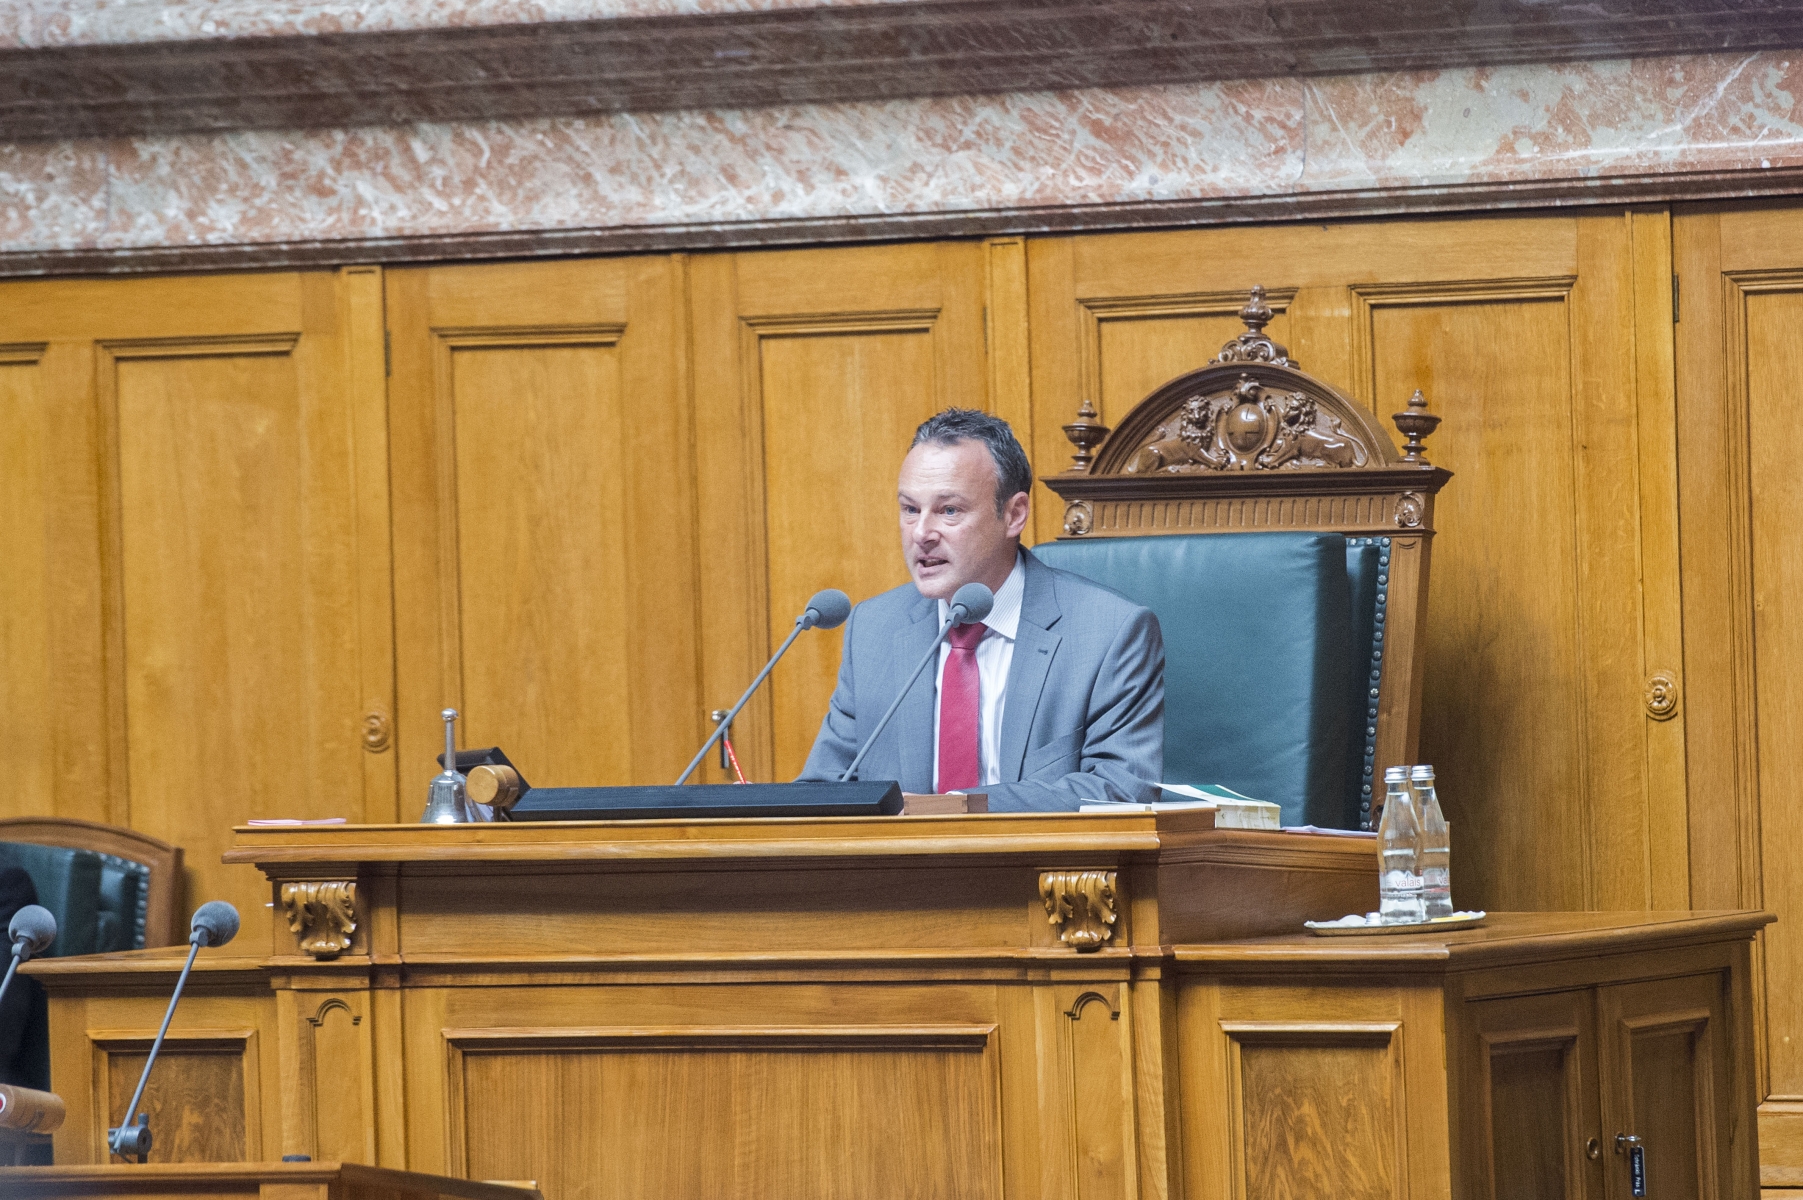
{"type": "Point", "coordinates": [1016, 512]}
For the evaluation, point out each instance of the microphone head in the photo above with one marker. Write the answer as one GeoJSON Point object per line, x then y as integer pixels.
{"type": "Point", "coordinates": [976, 601]}
{"type": "Point", "coordinates": [35, 927]}
{"type": "Point", "coordinates": [828, 608]}
{"type": "Point", "coordinates": [215, 923]}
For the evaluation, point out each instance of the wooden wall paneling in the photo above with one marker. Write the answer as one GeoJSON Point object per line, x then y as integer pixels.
{"type": "Point", "coordinates": [544, 562]}
{"type": "Point", "coordinates": [1006, 321]}
{"type": "Point", "coordinates": [1741, 273]}
{"type": "Point", "coordinates": [1521, 332]}
{"type": "Point", "coordinates": [228, 535]}
{"type": "Point", "coordinates": [366, 384]}
{"type": "Point", "coordinates": [1716, 570]}
{"type": "Point", "coordinates": [812, 369]}
{"type": "Point", "coordinates": [1662, 607]}
{"type": "Point", "coordinates": [51, 676]}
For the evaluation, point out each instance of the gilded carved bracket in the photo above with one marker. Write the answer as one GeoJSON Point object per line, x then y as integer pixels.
{"type": "Point", "coordinates": [322, 915]}
{"type": "Point", "coordinates": [1081, 905]}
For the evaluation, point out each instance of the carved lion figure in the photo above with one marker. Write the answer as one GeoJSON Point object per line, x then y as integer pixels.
{"type": "Point", "coordinates": [1301, 440]}
{"type": "Point", "coordinates": [1187, 442]}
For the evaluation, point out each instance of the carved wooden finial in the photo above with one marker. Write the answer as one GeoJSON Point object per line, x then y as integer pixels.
{"type": "Point", "coordinates": [1257, 314]}
{"type": "Point", "coordinates": [1085, 433]}
{"type": "Point", "coordinates": [1255, 345]}
{"type": "Point", "coordinates": [1415, 423]}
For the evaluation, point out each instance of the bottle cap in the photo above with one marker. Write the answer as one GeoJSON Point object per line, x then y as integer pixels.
{"type": "Point", "coordinates": [1396, 774]}
{"type": "Point", "coordinates": [1424, 771]}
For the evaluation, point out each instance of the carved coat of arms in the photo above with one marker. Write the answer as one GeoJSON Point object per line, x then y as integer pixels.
{"type": "Point", "coordinates": [1251, 428]}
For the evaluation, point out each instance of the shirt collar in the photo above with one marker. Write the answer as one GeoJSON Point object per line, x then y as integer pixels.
{"type": "Point", "coordinates": [1004, 617]}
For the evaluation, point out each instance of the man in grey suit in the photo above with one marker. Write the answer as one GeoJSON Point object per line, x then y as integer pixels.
{"type": "Point", "coordinates": [1055, 700]}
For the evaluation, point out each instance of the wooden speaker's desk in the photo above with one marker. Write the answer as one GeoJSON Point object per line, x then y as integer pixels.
{"type": "Point", "coordinates": [245, 1181]}
{"type": "Point", "coordinates": [959, 1006]}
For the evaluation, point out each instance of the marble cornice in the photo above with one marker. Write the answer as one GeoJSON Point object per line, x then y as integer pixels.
{"type": "Point", "coordinates": [285, 76]}
{"type": "Point", "coordinates": [1514, 195]}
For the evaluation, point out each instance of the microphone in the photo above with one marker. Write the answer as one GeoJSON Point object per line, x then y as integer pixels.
{"type": "Point", "coordinates": [215, 923]}
{"type": "Point", "coordinates": [970, 603]}
{"type": "Point", "coordinates": [32, 930]}
{"type": "Point", "coordinates": [827, 610]}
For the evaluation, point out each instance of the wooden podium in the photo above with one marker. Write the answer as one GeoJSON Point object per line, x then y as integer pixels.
{"type": "Point", "coordinates": [978, 1005]}
{"type": "Point", "coordinates": [248, 1181]}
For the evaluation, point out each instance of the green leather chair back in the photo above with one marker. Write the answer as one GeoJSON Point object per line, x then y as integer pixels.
{"type": "Point", "coordinates": [1265, 663]}
{"type": "Point", "coordinates": [100, 902]}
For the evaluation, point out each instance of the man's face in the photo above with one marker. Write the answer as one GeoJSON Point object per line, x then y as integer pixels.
{"type": "Point", "coordinates": [951, 533]}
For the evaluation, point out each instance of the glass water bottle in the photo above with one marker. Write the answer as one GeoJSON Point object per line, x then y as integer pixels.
{"type": "Point", "coordinates": [1436, 845]}
{"type": "Point", "coordinates": [1398, 837]}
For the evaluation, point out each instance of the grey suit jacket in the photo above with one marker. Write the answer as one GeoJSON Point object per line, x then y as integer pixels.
{"type": "Point", "coordinates": [1084, 716]}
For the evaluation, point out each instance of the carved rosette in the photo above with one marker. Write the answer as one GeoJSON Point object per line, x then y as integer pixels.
{"type": "Point", "coordinates": [322, 915]}
{"type": "Point", "coordinates": [1081, 905]}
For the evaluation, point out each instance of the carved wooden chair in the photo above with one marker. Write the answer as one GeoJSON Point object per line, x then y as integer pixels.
{"type": "Point", "coordinates": [129, 889]}
{"type": "Point", "coordinates": [1251, 445]}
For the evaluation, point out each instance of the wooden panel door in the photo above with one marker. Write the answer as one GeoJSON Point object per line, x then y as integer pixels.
{"type": "Point", "coordinates": [1553, 595]}
{"type": "Point", "coordinates": [197, 609]}
{"type": "Point", "coordinates": [1664, 1055]}
{"type": "Point", "coordinates": [1526, 1076]}
{"type": "Point", "coordinates": [1740, 355]}
{"type": "Point", "coordinates": [544, 551]}
{"type": "Point", "coordinates": [812, 369]}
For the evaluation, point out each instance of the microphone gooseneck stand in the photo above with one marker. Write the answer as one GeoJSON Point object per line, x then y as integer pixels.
{"type": "Point", "coordinates": [972, 602]}
{"type": "Point", "coordinates": [827, 610]}
{"type": "Point", "coordinates": [215, 924]}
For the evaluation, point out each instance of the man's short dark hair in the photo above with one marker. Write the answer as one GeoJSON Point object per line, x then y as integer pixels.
{"type": "Point", "coordinates": [1013, 473]}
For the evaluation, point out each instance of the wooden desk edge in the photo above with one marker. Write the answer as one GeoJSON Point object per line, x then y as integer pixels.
{"type": "Point", "coordinates": [1511, 937]}
{"type": "Point", "coordinates": [214, 1175]}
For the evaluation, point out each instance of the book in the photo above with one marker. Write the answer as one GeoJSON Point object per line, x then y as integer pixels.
{"type": "Point", "coordinates": [1232, 810]}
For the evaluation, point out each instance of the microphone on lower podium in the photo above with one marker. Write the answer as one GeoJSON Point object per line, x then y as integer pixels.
{"type": "Point", "coordinates": [215, 923]}
{"type": "Point", "coordinates": [970, 603]}
{"type": "Point", "coordinates": [31, 931]}
{"type": "Point", "coordinates": [827, 610]}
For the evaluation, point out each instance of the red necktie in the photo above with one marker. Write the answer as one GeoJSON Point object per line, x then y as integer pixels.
{"type": "Point", "coordinates": [960, 711]}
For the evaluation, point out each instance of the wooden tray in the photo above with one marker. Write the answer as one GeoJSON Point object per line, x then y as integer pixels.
{"type": "Point", "coordinates": [1463, 920]}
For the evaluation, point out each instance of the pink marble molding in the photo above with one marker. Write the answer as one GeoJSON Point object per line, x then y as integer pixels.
{"type": "Point", "coordinates": [1031, 153]}
{"type": "Point", "coordinates": [42, 24]}
{"type": "Point", "coordinates": [107, 68]}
